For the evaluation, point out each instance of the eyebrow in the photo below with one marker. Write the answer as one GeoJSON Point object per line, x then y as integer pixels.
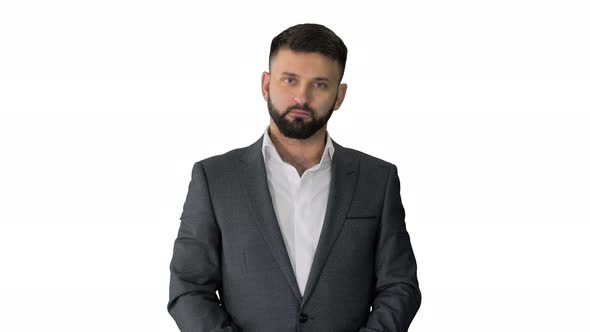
{"type": "Point", "coordinates": [316, 78]}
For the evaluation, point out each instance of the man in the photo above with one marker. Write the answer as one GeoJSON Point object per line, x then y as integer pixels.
{"type": "Point", "coordinates": [295, 232]}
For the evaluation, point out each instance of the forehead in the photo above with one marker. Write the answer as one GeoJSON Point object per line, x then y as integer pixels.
{"type": "Point", "coordinates": [304, 64]}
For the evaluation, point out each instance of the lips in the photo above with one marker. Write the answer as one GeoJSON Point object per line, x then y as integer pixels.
{"type": "Point", "coordinates": [299, 113]}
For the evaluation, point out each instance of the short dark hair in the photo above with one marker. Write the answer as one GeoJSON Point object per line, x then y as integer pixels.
{"type": "Point", "coordinates": [310, 37]}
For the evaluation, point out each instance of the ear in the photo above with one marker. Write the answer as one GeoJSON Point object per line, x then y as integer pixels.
{"type": "Point", "coordinates": [265, 84]}
{"type": "Point", "coordinates": [340, 96]}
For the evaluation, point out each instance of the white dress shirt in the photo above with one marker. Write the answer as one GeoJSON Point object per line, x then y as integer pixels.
{"type": "Point", "coordinates": [299, 203]}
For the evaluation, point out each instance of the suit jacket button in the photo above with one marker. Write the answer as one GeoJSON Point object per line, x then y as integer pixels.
{"type": "Point", "coordinates": [303, 318]}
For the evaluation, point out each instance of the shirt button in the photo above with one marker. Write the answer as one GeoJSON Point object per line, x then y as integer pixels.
{"type": "Point", "coordinates": [303, 318]}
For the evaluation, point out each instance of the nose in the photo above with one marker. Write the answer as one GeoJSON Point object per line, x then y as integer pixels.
{"type": "Point", "coordinates": [302, 95]}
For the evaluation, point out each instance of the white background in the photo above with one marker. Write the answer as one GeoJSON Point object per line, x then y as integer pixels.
{"type": "Point", "coordinates": [482, 105]}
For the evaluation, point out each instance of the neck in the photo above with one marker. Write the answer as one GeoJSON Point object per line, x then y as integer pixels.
{"type": "Point", "coordinates": [301, 153]}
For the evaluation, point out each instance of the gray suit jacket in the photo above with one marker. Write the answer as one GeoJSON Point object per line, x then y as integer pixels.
{"type": "Point", "coordinates": [229, 241]}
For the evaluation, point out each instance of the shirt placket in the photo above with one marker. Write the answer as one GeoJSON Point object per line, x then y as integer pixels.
{"type": "Point", "coordinates": [303, 236]}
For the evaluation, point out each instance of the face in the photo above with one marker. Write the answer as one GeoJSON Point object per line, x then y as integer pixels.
{"type": "Point", "coordinates": [302, 91]}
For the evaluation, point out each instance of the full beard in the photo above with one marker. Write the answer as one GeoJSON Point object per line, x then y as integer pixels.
{"type": "Point", "coordinates": [298, 128]}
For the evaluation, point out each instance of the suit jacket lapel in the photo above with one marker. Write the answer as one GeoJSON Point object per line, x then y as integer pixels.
{"type": "Point", "coordinates": [255, 187]}
{"type": "Point", "coordinates": [342, 186]}
{"type": "Point", "coordinates": [256, 191]}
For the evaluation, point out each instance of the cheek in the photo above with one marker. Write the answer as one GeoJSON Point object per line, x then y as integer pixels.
{"type": "Point", "coordinates": [281, 92]}
{"type": "Point", "coordinates": [327, 104]}
{"type": "Point", "coordinates": [280, 97]}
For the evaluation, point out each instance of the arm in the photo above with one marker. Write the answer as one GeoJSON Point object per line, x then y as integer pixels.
{"type": "Point", "coordinates": [194, 270]}
{"type": "Point", "coordinates": [397, 296]}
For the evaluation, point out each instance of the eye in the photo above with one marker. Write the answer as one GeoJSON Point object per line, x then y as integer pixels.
{"type": "Point", "coordinates": [321, 85]}
{"type": "Point", "coordinates": [289, 80]}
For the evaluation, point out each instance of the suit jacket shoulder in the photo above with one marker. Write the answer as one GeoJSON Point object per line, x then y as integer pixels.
{"type": "Point", "coordinates": [368, 160]}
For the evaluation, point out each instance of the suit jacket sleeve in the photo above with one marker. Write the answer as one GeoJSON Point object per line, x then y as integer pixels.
{"type": "Point", "coordinates": [195, 267]}
{"type": "Point", "coordinates": [397, 295]}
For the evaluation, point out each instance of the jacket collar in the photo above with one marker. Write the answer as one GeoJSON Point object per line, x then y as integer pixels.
{"type": "Point", "coordinates": [268, 148]}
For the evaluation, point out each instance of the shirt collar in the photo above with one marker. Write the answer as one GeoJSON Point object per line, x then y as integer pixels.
{"type": "Point", "coordinates": [269, 149]}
